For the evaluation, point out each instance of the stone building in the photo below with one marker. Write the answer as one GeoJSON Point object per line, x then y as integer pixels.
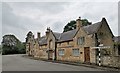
{"type": "Point", "coordinates": [30, 44]}
{"type": "Point", "coordinates": [117, 45]}
{"type": "Point", "coordinates": [74, 45]}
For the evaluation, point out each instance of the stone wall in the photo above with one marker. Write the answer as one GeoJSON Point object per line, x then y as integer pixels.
{"type": "Point", "coordinates": [111, 61]}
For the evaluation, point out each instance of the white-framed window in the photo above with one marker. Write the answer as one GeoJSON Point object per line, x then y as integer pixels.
{"type": "Point", "coordinates": [81, 40]}
{"type": "Point", "coordinates": [61, 52]}
{"type": "Point", "coordinates": [75, 52]}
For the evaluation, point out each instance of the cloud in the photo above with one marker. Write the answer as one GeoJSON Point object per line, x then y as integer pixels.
{"type": "Point", "coordinates": [119, 18]}
{"type": "Point", "coordinates": [60, 0]}
{"type": "Point", "coordinates": [17, 25]}
{"type": "Point", "coordinates": [0, 21]}
{"type": "Point", "coordinates": [20, 17]}
{"type": "Point", "coordinates": [57, 26]}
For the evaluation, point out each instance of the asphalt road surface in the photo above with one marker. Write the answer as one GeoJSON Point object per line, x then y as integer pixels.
{"type": "Point", "coordinates": [0, 63]}
{"type": "Point", "coordinates": [19, 63]}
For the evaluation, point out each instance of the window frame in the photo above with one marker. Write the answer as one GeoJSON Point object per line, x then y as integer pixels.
{"type": "Point", "coordinates": [61, 52]}
{"type": "Point", "coordinates": [68, 43]}
{"type": "Point", "coordinates": [81, 40]}
{"type": "Point", "coordinates": [74, 52]}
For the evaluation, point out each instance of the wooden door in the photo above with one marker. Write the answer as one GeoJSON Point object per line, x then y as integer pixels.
{"type": "Point", "coordinates": [50, 55]}
{"type": "Point", "coordinates": [87, 54]}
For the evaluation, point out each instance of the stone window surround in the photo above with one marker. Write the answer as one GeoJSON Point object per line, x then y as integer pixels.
{"type": "Point", "coordinates": [61, 52]}
{"type": "Point", "coordinates": [74, 53]}
{"type": "Point", "coordinates": [81, 40]}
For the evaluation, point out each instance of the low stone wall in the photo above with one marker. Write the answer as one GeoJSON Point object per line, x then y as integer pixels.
{"type": "Point", "coordinates": [111, 61]}
{"type": "Point", "coordinates": [115, 61]}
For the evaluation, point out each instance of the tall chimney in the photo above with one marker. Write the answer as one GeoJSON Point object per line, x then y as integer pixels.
{"type": "Point", "coordinates": [38, 35]}
{"type": "Point", "coordinates": [78, 23]}
{"type": "Point", "coordinates": [47, 32]}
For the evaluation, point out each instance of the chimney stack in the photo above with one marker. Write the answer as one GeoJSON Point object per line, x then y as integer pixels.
{"type": "Point", "coordinates": [38, 35]}
{"type": "Point", "coordinates": [78, 23]}
{"type": "Point", "coordinates": [47, 32]}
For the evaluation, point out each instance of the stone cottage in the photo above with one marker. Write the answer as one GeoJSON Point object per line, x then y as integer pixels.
{"type": "Point", "coordinates": [74, 45]}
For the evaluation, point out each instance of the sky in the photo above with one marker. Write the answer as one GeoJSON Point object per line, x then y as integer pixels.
{"type": "Point", "coordinates": [19, 18]}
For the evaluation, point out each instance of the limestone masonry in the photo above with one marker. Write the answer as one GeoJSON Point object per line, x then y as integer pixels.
{"type": "Point", "coordinates": [76, 45]}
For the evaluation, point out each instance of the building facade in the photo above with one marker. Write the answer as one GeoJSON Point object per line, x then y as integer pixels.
{"type": "Point", "coordinates": [74, 45]}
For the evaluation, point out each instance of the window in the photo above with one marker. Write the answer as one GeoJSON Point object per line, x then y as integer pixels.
{"type": "Point", "coordinates": [61, 52]}
{"type": "Point", "coordinates": [51, 44]}
{"type": "Point", "coordinates": [67, 43]}
{"type": "Point", "coordinates": [75, 52]}
{"type": "Point", "coordinates": [81, 41]}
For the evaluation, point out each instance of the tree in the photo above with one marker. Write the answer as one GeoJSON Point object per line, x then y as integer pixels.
{"type": "Point", "coordinates": [11, 45]}
{"type": "Point", "coordinates": [72, 25]}
{"type": "Point", "coordinates": [85, 22]}
{"type": "Point", "coordinates": [21, 48]}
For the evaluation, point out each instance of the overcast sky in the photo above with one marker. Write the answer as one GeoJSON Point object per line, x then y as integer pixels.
{"type": "Point", "coordinates": [19, 18]}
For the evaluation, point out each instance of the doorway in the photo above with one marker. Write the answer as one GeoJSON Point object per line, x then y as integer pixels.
{"type": "Point", "coordinates": [86, 54]}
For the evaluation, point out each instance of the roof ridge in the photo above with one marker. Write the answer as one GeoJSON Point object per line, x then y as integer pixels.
{"type": "Point", "coordinates": [68, 31]}
{"type": "Point", "coordinates": [92, 24]}
{"type": "Point", "coordinates": [93, 28]}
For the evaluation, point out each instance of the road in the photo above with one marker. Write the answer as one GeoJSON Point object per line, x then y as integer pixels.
{"type": "Point", "coordinates": [0, 63]}
{"type": "Point", "coordinates": [19, 63]}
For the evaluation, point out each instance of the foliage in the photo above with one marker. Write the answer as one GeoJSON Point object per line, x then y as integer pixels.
{"type": "Point", "coordinates": [85, 22]}
{"type": "Point", "coordinates": [21, 48]}
{"type": "Point", "coordinates": [9, 50]}
{"type": "Point", "coordinates": [11, 45]}
{"type": "Point", "coordinates": [116, 44]}
{"type": "Point", "coordinates": [72, 25]}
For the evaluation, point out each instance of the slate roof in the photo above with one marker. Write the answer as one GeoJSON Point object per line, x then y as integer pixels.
{"type": "Point", "coordinates": [65, 36]}
{"type": "Point", "coordinates": [57, 35]}
{"type": "Point", "coordinates": [43, 40]}
{"type": "Point", "coordinates": [91, 29]}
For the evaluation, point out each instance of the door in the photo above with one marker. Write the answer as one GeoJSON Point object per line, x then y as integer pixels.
{"type": "Point", "coordinates": [50, 55]}
{"type": "Point", "coordinates": [87, 54]}
{"type": "Point", "coordinates": [50, 50]}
